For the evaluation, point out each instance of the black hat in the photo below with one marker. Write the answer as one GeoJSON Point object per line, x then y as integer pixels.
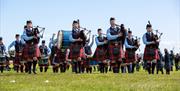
{"type": "Point", "coordinates": [43, 41]}
{"type": "Point", "coordinates": [99, 29]}
{"type": "Point", "coordinates": [29, 21]}
{"type": "Point", "coordinates": [171, 51]}
{"type": "Point", "coordinates": [112, 18]}
{"type": "Point", "coordinates": [129, 31]}
{"type": "Point", "coordinates": [148, 26]}
{"type": "Point", "coordinates": [75, 21]}
{"type": "Point", "coordinates": [1, 38]}
{"type": "Point", "coordinates": [17, 35]}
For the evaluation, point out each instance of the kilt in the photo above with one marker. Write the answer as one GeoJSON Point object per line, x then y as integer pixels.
{"type": "Point", "coordinates": [59, 58]}
{"type": "Point", "coordinates": [130, 56]}
{"type": "Point", "coordinates": [150, 54]}
{"type": "Point", "coordinates": [62, 57]}
{"type": "Point", "coordinates": [76, 51]}
{"type": "Point", "coordinates": [18, 59]}
{"type": "Point", "coordinates": [115, 52]}
{"type": "Point", "coordinates": [43, 62]}
{"type": "Point", "coordinates": [86, 62]}
{"type": "Point", "coordinates": [100, 54]}
{"type": "Point", "coordinates": [55, 61]}
{"type": "Point", "coordinates": [2, 60]}
{"type": "Point", "coordinates": [30, 51]}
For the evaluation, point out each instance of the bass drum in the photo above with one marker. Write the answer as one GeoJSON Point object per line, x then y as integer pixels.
{"type": "Point", "coordinates": [63, 39]}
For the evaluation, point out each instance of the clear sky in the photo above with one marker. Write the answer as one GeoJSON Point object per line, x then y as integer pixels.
{"type": "Point", "coordinates": [59, 14]}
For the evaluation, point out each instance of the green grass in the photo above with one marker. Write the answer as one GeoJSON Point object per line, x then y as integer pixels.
{"type": "Point", "coordinates": [139, 81]}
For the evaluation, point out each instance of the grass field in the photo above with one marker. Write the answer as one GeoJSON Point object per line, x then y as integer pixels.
{"type": "Point", "coordinates": [139, 81]}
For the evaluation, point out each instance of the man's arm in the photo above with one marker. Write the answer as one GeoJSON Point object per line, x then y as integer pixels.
{"type": "Point", "coordinates": [127, 45]}
{"type": "Point", "coordinates": [145, 40]}
{"type": "Point", "coordinates": [111, 37]}
{"type": "Point", "coordinates": [11, 45]}
{"type": "Point", "coordinates": [25, 37]}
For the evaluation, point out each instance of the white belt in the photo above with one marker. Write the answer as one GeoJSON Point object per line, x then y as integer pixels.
{"type": "Point", "coordinates": [44, 57]}
{"type": "Point", "coordinates": [2, 55]}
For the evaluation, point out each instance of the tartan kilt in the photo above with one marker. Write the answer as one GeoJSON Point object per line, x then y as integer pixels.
{"type": "Point", "coordinates": [150, 54]}
{"type": "Point", "coordinates": [86, 62]}
{"type": "Point", "coordinates": [130, 56]}
{"type": "Point", "coordinates": [55, 61]}
{"type": "Point", "coordinates": [76, 51]}
{"type": "Point", "coordinates": [43, 62]}
{"type": "Point", "coordinates": [62, 57]}
{"type": "Point", "coordinates": [100, 54]}
{"type": "Point", "coordinates": [115, 56]}
{"type": "Point", "coordinates": [18, 59]}
{"type": "Point", "coordinates": [58, 60]}
{"type": "Point", "coordinates": [30, 51]}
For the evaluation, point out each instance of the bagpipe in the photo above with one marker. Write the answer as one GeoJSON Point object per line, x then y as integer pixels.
{"type": "Point", "coordinates": [36, 31]}
{"type": "Point", "coordinates": [122, 31]}
{"type": "Point", "coordinates": [136, 41]}
{"type": "Point", "coordinates": [84, 34]}
{"type": "Point", "coordinates": [156, 37]}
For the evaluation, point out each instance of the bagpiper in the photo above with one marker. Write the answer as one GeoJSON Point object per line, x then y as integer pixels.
{"type": "Point", "coordinates": [116, 35]}
{"type": "Point", "coordinates": [151, 50]}
{"type": "Point", "coordinates": [31, 51]}
{"type": "Point", "coordinates": [130, 54]}
{"type": "Point", "coordinates": [18, 45]}
{"type": "Point", "coordinates": [101, 51]}
{"type": "Point", "coordinates": [2, 55]}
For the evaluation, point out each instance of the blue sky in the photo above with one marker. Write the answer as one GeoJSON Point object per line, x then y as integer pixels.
{"type": "Point", "coordinates": [93, 14]}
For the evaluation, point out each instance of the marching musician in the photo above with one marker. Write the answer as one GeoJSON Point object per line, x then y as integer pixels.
{"type": "Point", "coordinates": [172, 59]}
{"type": "Point", "coordinates": [115, 36]}
{"type": "Point", "coordinates": [2, 55]}
{"type": "Point", "coordinates": [88, 57]}
{"type": "Point", "coordinates": [167, 61]}
{"type": "Point", "coordinates": [176, 61]}
{"type": "Point", "coordinates": [101, 51]}
{"type": "Point", "coordinates": [58, 56]}
{"type": "Point", "coordinates": [151, 51]}
{"type": "Point", "coordinates": [159, 65]}
{"type": "Point", "coordinates": [31, 50]}
{"type": "Point", "coordinates": [19, 45]}
{"type": "Point", "coordinates": [76, 47]}
{"type": "Point", "coordinates": [130, 54]}
{"type": "Point", "coordinates": [43, 62]}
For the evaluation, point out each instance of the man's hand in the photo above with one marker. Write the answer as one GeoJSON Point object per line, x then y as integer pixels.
{"type": "Point", "coordinates": [120, 34]}
{"type": "Point", "coordinates": [79, 39]}
{"type": "Point", "coordinates": [153, 42]}
{"type": "Point", "coordinates": [157, 40]}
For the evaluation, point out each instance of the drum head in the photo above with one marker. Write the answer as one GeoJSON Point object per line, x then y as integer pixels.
{"type": "Point", "coordinates": [59, 38]}
{"type": "Point", "coordinates": [65, 41]}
